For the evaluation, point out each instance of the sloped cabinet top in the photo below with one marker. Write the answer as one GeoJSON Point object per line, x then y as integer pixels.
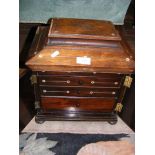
{"type": "Point", "coordinates": [80, 45]}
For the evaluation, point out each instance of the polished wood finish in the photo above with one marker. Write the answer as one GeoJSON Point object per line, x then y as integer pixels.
{"type": "Point", "coordinates": [55, 115]}
{"type": "Point", "coordinates": [102, 59]}
{"type": "Point", "coordinates": [79, 81]}
{"type": "Point", "coordinates": [80, 28]}
{"type": "Point", "coordinates": [81, 42]}
{"type": "Point", "coordinates": [76, 73]}
{"type": "Point", "coordinates": [79, 91]}
{"type": "Point", "coordinates": [65, 85]}
{"type": "Point", "coordinates": [77, 104]}
{"type": "Point", "coordinates": [105, 53]}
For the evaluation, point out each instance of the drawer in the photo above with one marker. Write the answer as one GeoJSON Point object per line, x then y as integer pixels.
{"type": "Point", "coordinates": [99, 74]}
{"type": "Point", "coordinates": [78, 91]}
{"type": "Point", "coordinates": [77, 104]}
{"type": "Point", "coordinates": [91, 81]}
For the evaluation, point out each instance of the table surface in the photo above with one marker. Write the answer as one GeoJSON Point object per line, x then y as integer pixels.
{"type": "Point", "coordinates": [81, 127]}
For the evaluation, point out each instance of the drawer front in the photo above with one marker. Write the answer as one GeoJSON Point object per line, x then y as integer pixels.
{"type": "Point", "coordinates": [105, 75]}
{"type": "Point", "coordinates": [78, 91]}
{"type": "Point", "coordinates": [91, 81]}
{"type": "Point", "coordinates": [77, 104]}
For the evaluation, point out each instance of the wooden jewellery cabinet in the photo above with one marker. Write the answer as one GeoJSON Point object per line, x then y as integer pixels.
{"type": "Point", "coordinates": [81, 69]}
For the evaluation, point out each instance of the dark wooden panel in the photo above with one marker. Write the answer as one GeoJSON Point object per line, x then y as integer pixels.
{"type": "Point", "coordinates": [81, 42]}
{"type": "Point", "coordinates": [38, 41]}
{"type": "Point", "coordinates": [77, 104]}
{"type": "Point", "coordinates": [128, 112]}
{"type": "Point", "coordinates": [61, 115]}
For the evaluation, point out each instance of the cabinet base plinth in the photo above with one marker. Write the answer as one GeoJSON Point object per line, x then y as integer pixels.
{"type": "Point", "coordinates": [111, 118]}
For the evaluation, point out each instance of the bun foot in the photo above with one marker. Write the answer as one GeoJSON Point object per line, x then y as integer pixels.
{"type": "Point", "coordinates": [39, 121]}
{"type": "Point", "coordinates": [112, 122]}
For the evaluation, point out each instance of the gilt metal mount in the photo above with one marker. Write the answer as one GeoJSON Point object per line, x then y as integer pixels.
{"type": "Point", "coordinates": [128, 81]}
{"type": "Point", "coordinates": [33, 79]}
{"type": "Point", "coordinates": [119, 107]}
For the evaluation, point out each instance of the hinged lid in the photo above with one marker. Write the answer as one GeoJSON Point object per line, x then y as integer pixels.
{"type": "Point", "coordinates": [80, 45]}
{"type": "Point", "coordinates": [82, 29]}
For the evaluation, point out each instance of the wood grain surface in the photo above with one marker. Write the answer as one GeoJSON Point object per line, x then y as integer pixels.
{"type": "Point", "coordinates": [95, 83]}
{"type": "Point", "coordinates": [80, 28]}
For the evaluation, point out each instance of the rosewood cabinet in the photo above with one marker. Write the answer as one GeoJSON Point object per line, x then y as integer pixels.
{"type": "Point", "coordinates": [81, 70]}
